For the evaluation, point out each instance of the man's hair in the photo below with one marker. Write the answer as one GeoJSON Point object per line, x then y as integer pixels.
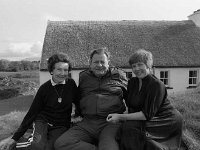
{"type": "Point", "coordinates": [56, 58]}
{"type": "Point", "coordinates": [103, 50]}
{"type": "Point", "coordinates": [142, 55]}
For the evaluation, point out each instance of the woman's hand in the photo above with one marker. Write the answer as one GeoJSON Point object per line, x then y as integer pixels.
{"type": "Point", "coordinates": [7, 144]}
{"type": "Point", "coordinates": [114, 118]}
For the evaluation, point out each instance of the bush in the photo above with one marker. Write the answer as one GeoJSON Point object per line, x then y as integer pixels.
{"type": "Point", "coordinates": [11, 86]}
{"type": "Point", "coordinates": [17, 75]}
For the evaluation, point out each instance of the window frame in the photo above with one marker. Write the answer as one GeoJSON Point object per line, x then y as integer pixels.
{"type": "Point", "coordinates": [196, 77]}
{"type": "Point", "coordinates": [165, 78]}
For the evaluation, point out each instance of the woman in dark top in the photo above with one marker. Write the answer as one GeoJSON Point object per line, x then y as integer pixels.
{"type": "Point", "coordinates": [51, 108]}
{"type": "Point", "coordinates": [152, 123]}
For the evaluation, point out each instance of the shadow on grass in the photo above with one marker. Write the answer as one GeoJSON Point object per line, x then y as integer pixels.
{"type": "Point", "coordinates": [20, 103]}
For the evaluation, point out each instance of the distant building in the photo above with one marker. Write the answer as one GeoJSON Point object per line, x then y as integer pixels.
{"type": "Point", "coordinates": [174, 44]}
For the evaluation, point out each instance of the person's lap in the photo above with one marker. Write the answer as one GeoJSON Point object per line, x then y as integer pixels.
{"type": "Point", "coordinates": [160, 135]}
{"type": "Point", "coordinates": [131, 135]}
{"type": "Point", "coordinates": [87, 134]}
{"type": "Point", "coordinates": [107, 138]}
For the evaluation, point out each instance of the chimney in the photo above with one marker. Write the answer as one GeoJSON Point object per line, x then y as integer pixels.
{"type": "Point", "coordinates": [195, 17]}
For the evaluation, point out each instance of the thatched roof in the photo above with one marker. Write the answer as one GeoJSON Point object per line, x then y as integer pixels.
{"type": "Point", "coordinates": [173, 43]}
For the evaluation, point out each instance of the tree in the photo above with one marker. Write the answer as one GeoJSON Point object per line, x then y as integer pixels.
{"type": "Point", "coordinates": [14, 66]}
{"type": "Point", "coordinates": [4, 64]}
{"type": "Point", "coordinates": [26, 65]}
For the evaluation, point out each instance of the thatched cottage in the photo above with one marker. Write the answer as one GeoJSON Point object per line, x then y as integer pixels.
{"type": "Point", "coordinates": [174, 44]}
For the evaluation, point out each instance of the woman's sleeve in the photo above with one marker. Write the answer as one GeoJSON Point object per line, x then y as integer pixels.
{"type": "Point", "coordinates": [153, 100]}
{"type": "Point", "coordinates": [34, 109]}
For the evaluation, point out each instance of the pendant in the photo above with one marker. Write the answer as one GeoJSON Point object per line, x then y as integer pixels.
{"type": "Point", "coordinates": [59, 100]}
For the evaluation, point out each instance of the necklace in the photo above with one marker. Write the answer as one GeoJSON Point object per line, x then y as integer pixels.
{"type": "Point", "coordinates": [140, 84]}
{"type": "Point", "coordinates": [59, 96]}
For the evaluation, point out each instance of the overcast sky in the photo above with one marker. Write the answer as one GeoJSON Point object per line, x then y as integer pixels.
{"type": "Point", "coordinates": [23, 22]}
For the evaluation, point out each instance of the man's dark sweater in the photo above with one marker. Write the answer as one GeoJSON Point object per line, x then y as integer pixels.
{"type": "Point", "coordinates": [46, 107]}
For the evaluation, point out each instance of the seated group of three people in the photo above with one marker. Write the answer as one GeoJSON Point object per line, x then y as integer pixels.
{"type": "Point", "coordinates": [101, 98]}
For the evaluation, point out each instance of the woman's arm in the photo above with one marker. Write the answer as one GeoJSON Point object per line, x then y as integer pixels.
{"type": "Point", "coordinates": [34, 109]}
{"type": "Point", "coordinates": [154, 98]}
{"type": "Point", "coordinates": [122, 117]}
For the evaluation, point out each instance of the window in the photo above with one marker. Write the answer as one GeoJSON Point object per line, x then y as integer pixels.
{"type": "Point", "coordinates": [193, 78]}
{"type": "Point", "coordinates": [129, 75]}
{"type": "Point", "coordinates": [164, 77]}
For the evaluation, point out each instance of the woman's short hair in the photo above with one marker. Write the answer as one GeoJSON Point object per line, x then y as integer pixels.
{"type": "Point", "coordinates": [56, 58]}
{"type": "Point", "coordinates": [103, 50]}
{"type": "Point", "coordinates": [142, 55]}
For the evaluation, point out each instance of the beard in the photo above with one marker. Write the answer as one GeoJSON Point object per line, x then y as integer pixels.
{"type": "Point", "coordinates": [99, 72]}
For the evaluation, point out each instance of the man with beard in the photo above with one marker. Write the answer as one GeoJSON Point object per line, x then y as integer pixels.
{"type": "Point", "coordinates": [102, 89]}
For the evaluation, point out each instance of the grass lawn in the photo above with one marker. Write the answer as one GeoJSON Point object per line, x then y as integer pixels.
{"type": "Point", "coordinates": [188, 104]}
{"type": "Point", "coordinates": [12, 112]}
{"type": "Point", "coordinates": [9, 123]}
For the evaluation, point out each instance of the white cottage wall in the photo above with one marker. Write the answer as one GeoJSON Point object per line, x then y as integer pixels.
{"type": "Point", "coordinates": [178, 78]}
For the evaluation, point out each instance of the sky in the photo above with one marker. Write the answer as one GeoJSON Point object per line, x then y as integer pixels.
{"type": "Point", "coordinates": [23, 22]}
